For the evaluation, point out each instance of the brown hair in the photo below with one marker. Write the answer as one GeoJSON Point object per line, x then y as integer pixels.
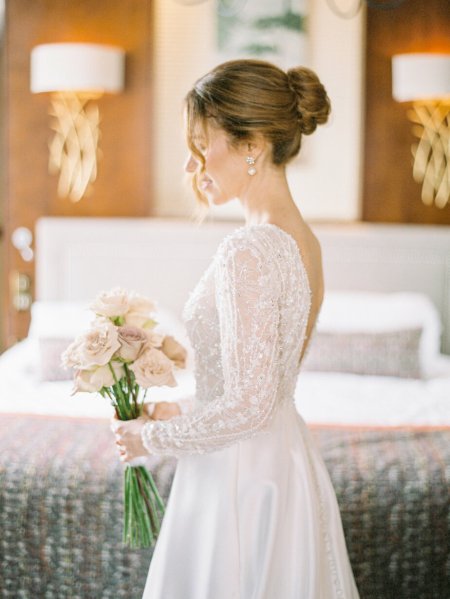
{"type": "Point", "coordinates": [244, 97]}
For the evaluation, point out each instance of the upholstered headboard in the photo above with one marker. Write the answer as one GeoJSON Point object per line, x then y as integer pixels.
{"type": "Point", "coordinates": [163, 258]}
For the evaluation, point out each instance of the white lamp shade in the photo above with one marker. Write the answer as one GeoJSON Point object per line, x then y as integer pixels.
{"type": "Point", "coordinates": [420, 77]}
{"type": "Point", "coordinates": [77, 67]}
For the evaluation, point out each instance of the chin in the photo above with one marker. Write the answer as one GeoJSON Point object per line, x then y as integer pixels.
{"type": "Point", "coordinates": [219, 200]}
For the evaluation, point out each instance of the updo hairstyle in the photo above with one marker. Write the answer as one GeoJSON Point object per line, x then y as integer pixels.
{"type": "Point", "coordinates": [245, 97]}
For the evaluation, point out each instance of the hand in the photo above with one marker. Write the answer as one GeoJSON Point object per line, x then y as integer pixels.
{"type": "Point", "coordinates": [128, 438]}
{"type": "Point", "coordinates": [162, 410]}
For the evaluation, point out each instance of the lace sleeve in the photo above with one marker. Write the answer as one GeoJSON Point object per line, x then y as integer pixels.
{"type": "Point", "coordinates": [247, 290]}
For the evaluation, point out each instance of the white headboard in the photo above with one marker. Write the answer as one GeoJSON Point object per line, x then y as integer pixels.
{"type": "Point", "coordinates": [163, 258]}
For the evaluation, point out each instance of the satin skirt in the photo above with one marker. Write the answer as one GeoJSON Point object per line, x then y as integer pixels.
{"type": "Point", "coordinates": [258, 520]}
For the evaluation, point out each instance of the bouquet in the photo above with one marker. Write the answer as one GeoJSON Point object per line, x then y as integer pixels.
{"type": "Point", "coordinates": [120, 357]}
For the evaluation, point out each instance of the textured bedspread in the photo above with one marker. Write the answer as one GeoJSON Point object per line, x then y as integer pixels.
{"type": "Point", "coordinates": [61, 510]}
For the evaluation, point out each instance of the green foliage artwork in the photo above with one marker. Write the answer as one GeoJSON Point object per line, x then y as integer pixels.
{"type": "Point", "coordinates": [272, 30]}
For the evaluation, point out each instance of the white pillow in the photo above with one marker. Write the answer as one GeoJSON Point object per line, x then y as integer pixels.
{"type": "Point", "coordinates": [56, 320]}
{"type": "Point", "coordinates": [361, 311]}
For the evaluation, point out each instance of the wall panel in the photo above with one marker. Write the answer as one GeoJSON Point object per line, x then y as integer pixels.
{"type": "Point", "coordinates": [124, 183]}
{"type": "Point", "coordinates": [390, 194]}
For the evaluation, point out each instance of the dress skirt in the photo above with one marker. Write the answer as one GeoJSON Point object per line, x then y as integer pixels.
{"type": "Point", "coordinates": [257, 520]}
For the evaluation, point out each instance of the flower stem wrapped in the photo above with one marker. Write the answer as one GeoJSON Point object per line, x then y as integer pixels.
{"type": "Point", "coordinates": [120, 357]}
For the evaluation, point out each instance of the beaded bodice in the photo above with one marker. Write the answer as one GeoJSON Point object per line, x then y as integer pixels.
{"type": "Point", "coordinates": [246, 320]}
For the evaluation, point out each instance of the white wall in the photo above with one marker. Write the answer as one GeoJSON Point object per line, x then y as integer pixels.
{"type": "Point", "coordinates": [326, 178]}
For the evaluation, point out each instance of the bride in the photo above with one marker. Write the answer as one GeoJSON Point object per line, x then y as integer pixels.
{"type": "Point", "coordinates": [252, 513]}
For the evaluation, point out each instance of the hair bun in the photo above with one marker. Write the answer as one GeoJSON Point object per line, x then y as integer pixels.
{"type": "Point", "coordinates": [313, 104]}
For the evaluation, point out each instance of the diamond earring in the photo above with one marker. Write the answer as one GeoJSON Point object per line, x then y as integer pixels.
{"type": "Point", "coordinates": [251, 169]}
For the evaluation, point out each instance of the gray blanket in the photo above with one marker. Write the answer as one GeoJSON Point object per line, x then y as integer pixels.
{"type": "Point", "coordinates": [61, 510]}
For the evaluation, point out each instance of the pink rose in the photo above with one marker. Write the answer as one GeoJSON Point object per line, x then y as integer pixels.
{"type": "Point", "coordinates": [153, 368]}
{"type": "Point", "coordinates": [131, 340]}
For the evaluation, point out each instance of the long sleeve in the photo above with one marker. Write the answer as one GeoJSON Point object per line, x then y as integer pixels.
{"type": "Point", "coordinates": [247, 288]}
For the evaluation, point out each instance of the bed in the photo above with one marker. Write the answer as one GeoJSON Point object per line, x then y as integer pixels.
{"type": "Point", "coordinates": [382, 422]}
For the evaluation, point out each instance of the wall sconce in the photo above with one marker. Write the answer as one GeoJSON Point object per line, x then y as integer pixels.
{"type": "Point", "coordinates": [75, 74]}
{"type": "Point", "coordinates": [424, 79]}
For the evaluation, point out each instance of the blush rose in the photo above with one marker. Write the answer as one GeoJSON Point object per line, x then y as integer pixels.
{"type": "Point", "coordinates": [174, 351]}
{"type": "Point", "coordinates": [96, 347]}
{"type": "Point", "coordinates": [153, 368]}
{"type": "Point", "coordinates": [132, 341]}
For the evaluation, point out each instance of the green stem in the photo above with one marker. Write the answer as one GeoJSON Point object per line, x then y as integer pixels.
{"type": "Point", "coordinates": [140, 524]}
{"type": "Point", "coordinates": [154, 488]}
{"type": "Point", "coordinates": [127, 504]}
{"type": "Point", "coordinates": [124, 408]}
{"type": "Point", "coordinates": [116, 381]}
{"type": "Point", "coordinates": [144, 496]}
{"type": "Point", "coordinates": [106, 392]}
{"type": "Point", "coordinates": [131, 390]}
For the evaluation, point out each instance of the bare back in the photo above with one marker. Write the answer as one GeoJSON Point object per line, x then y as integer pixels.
{"type": "Point", "coordinates": [309, 248]}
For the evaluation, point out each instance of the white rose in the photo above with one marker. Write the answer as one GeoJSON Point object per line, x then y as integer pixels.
{"type": "Point", "coordinates": [153, 368]}
{"type": "Point", "coordinates": [70, 358]}
{"type": "Point", "coordinates": [112, 303]}
{"type": "Point", "coordinates": [131, 341]}
{"type": "Point", "coordinates": [154, 339]}
{"type": "Point", "coordinates": [94, 380]}
{"type": "Point", "coordinates": [141, 320]}
{"type": "Point", "coordinates": [139, 312]}
{"type": "Point", "coordinates": [98, 345]}
{"type": "Point", "coordinates": [140, 304]}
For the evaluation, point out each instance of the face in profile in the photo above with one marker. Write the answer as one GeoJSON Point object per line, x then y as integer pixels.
{"type": "Point", "coordinates": [223, 176]}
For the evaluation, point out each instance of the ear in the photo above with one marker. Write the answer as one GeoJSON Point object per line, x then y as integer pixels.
{"type": "Point", "coordinates": [254, 147]}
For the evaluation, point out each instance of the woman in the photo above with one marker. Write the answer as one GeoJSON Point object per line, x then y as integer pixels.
{"type": "Point", "coordinates": [252, 513]}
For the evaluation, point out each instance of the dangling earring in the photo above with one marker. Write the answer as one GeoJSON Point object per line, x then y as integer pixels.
{"type": "Point", "coordinates": [251, 169]}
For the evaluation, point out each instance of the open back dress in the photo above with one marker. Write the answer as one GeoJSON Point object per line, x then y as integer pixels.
{"type": "Point", "coordinates": [252, 513]}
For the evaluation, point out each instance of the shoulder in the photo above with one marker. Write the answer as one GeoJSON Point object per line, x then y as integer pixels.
{"type": "Point", "coordinates": [249, 256]}
{"type": "Point", "coordinates": [251, 243]}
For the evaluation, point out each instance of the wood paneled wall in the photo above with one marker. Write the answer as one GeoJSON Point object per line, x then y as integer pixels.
{"type": "Point", "coordinates": [389, 192]}
{"type": "Point", "coordinates": [123, 186]}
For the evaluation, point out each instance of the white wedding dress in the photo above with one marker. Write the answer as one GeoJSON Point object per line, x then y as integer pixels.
{"type": "Point", "coordinates": [252, 513]}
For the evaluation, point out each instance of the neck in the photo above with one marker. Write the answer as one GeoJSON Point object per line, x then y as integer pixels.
{"type": "Point", "coordinates": [267, 199]}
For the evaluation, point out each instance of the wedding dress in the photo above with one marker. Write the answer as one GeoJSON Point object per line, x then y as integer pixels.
{"type": "Point", "coordinates": [252, 513]}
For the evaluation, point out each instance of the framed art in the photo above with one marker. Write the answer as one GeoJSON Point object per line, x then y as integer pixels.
{"type": "Point", "coordinates": [273, 30]}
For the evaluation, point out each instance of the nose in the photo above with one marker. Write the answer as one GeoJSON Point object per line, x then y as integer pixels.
{"type": "Point", "coordinates": [191, 164]}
